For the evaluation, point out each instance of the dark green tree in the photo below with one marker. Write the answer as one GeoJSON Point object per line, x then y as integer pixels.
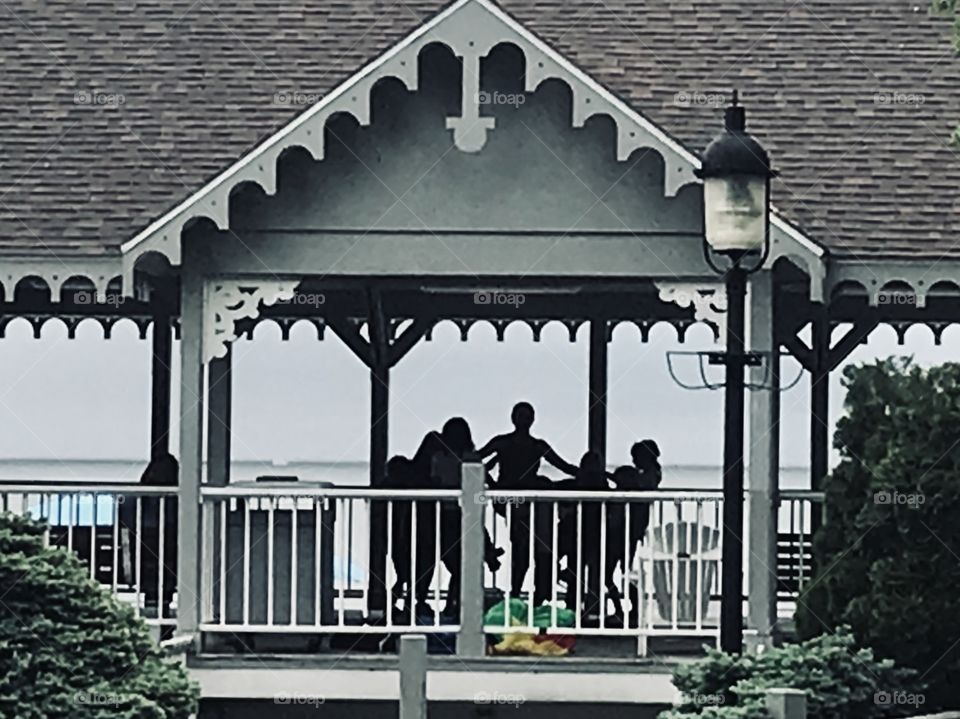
{"type": "Point", "coordinates": [841, 680]}
{"type": "Point", "coordinates": [888, 556]}
{"type": "Point", "coordinates": [68, 648]}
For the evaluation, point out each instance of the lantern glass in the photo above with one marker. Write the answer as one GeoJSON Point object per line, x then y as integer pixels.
{"type": "Point", "coordinates": [735, 213]}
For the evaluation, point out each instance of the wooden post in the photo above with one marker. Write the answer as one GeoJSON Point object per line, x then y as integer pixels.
{"type": "Point", "coordinates": [191, 442]}
{"type": "Point", "coordinates": [379, 409]}
{"type": "Point", "coordinates": [160, 385]}
{"type": "Point", "coordinates": [471, 641]}
{"type": "Point", "coordinates": [820, 401]}
{"type": "Point", "coordinates": [597, 398]}
{"type": "Point", "coordinates": [764, 470]}
{"type": "Point", "coordinates": [220, 377]}
{"type": "Point", "coordinates": [379, 448]}
{"type": "Point", "coordinates": [413, 676]}
{"type": "Point", "coordinates": [787, 703]}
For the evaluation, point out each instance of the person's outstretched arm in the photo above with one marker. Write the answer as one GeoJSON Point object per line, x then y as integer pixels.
{"type": "Point", "coordinates": [491, 447]}
{"type": "Point", "coordinates": [557, 461]}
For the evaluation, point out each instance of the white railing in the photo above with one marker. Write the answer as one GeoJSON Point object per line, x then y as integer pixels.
{"type": "Point", "coordinates": [322, 580]}
{"type": "Point", "coordinates": [607, 563]}
{"type": "Point", "coordinates": [125, 535]}
{"type": "Point", "coordinates": [799, 514]}
{"type": "Point", "coordinates": [298, 559]}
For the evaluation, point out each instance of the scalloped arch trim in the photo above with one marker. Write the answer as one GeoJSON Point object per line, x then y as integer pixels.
{"type": "Point", "coordinates": [470, 28]}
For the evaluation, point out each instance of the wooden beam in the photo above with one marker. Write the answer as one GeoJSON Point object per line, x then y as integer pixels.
{"type": "Point", "coordinates": [350, 336]}
{"type": "Point", "coordinates": [597, 395]}
{"type": "Point", "coordinates": [820, 401]}
{"type": "Point", "coordinates": [160, 385]}
{"type": "Point", "coordinates": [408, 339]}
{"type": "Point", "coordinates": [854, 337]}
{"type": "Point", "coordinates": [799, 350]}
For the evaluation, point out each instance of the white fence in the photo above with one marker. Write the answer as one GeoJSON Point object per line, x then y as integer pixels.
{"type": "Point", "coordinates": [308, 560]}
{"type": "Point", "coordinates": [124, 534]}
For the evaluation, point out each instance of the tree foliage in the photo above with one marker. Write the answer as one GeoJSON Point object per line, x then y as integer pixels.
{"type": "Point", "coordinates": [840, 680]}
{"type": "Point", "coordinates": [888, 555]}
{"type": "Point", "coordinates": [68, 648]}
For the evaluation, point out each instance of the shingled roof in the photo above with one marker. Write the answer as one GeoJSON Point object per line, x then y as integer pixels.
{"type": "Point", "coordinates": [855, 99]}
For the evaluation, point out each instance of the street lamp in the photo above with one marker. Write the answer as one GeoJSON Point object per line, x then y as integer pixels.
{"type": "Point", "coordinates": [736, 178]}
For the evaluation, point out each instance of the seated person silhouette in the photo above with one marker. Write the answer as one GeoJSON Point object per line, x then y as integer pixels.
{"type": "Point", "coordinates": [518, 455]}
{"type": "Point", "coordinates": [644, 475]}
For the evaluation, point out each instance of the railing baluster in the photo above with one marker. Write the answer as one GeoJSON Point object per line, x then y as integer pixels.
{"type": "Point", "coordinates": [270, 565]}
{"type": "Point", "coordinates": [246, 561]}
{"type": "Point", "coordinates": [116, 541]}
{"type": "Point", "coordinates": [161, 564]}
{"type": "Point", "coordinates": [436, 566]}
{"type": "Point", "coordinates": [410, 603]}
{"type": "Point", "coordinates": [294, 561]}
{"type": "Point", "coordinates": [222, 505]}
{"type": "Point", "coordinates": [317, 553]}
{"type": "Point", "coordinates": [532, 564]}
{"type": "Point", "coordinates": [506, 596]}
{"type": "Point", "coordinates": [341, 609]}
{"type": "Point", "coordinates": [602, 569]}
{"type": "Point", "coordinates": [625, 574]}
{"type": "Point", "coordinates": [389, 580]}
{"type": "Point", "coordinates": [579, 571]}
{"type": "Point", "coordinates": [553, 561]}
{"type": "Point", "coordinates": [137, 582]}
{"type": "Point", "coordinates": [698, 587]}
{"type": "Point", "coordinates": [70, 526]}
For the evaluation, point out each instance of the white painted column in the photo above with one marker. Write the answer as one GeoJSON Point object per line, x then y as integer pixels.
{"type": "Point", "coordinates": [471, 641]}
{"type": "Point", "coordinates": [191, 448]}
{"type": "Point", "coordinates": [764, 470]}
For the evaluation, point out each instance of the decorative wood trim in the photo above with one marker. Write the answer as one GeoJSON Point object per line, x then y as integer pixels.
{"type": "Point", "coordinates": [227, 300]}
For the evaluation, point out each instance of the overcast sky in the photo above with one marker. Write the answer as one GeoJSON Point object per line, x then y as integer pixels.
{"type": "Point", "coordinates": [88, 398]}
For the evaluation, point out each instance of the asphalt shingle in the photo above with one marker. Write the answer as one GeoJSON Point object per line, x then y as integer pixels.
{"type": "Point", "coordinates": [115, 111]}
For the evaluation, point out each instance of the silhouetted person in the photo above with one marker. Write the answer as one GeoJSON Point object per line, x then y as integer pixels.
{"type": "Point", "coordinates": [162, 471]}
{"type": "Point", "coordinates": [401, 475]}
{"type": "Point", "coordinates": [644, 475]}
{"type": "Point", "coordinates": [582, 548]}
{"type": "Point", "coordinates": [518, 455]}
{"type": "Point", "coordinates": [439, 460]}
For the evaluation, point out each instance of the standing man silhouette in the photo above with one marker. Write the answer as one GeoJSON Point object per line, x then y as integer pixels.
{"type": "Point", "coordinates": [518, 455]}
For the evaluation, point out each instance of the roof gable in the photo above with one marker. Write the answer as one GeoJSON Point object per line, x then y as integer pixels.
{"type": "Point", "coordinates": [471, 29]}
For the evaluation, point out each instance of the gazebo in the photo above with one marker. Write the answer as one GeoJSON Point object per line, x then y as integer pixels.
{"type": "Point", "coordinates": [379, 171]}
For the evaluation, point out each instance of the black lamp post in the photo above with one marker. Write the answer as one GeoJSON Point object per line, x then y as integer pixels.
{"type": "Point", "coordinates": [736, 177]}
